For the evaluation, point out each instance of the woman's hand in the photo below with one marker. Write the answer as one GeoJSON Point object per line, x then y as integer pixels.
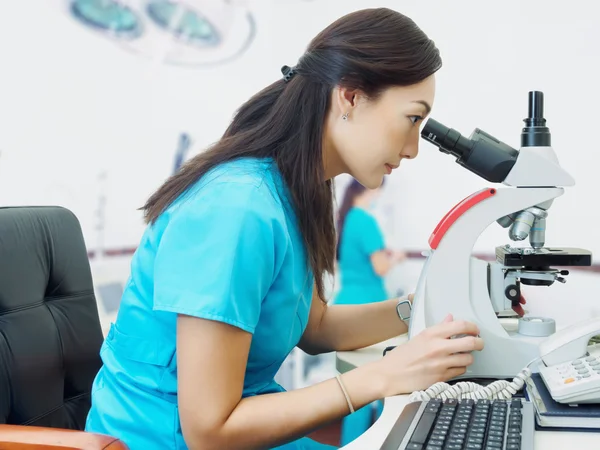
{"type": "Point", "coordinates": [431, 356]}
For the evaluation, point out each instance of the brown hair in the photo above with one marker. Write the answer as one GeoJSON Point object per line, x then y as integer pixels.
{"type": "Point", "coordinates": [369, 50]}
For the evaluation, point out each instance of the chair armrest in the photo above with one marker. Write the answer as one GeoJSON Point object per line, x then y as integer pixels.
{"type": "Point", "coordinates": [18, 437]}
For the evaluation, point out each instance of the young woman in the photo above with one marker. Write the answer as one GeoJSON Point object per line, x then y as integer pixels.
{"type": "Point", "coordinates": [228, 276]}
{"type": "Point", "coordinates": [363, 259]}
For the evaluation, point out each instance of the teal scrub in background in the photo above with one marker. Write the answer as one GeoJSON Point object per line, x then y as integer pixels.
{"type": "Point", "coordinates": [229, 250]}
{"type": "Point", "coordinates": [361, 237]}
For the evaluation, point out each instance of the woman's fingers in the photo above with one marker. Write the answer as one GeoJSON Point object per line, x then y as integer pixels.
{"type": "Point", "coordinates": [464, 344]}
{"type": "Point", "coordinates": [459, 360]}
{"type": "Point", "coordinates": [452, 328]}
{"type": "Point", "coordinates": [448, 319]}
{"type": "Point", "coordinates": [454, 372]}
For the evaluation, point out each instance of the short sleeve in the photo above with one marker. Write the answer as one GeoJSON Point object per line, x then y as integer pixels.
{"type": "Point", "coordinates": [216, 257]}
{"type": "Point", "coordinates": [371, 235]}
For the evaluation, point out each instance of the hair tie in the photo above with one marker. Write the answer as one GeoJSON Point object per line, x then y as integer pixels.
{"type": "Point", "coordinates": [288, 72]}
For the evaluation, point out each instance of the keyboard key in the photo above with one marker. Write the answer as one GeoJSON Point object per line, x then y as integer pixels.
{"type": "Point", "coordinates": [424, 426]}
{"type": "Point", "coordinates": [456, 434]}
{"type": "Point", "coordinates": [412, 446]}
{"type": "Point", "coordinates": [516, 403]}
{"type": "Point", "coordinates": [493, 445]}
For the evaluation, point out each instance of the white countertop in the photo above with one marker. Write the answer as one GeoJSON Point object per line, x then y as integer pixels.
{"type": "Point", "coordinates": [373, 438]}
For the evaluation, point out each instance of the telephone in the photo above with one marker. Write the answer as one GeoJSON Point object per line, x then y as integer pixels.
{"type": "Point", "coordinates": [570, 370]}
{"type": "Point", "coordinates": [572, 367]}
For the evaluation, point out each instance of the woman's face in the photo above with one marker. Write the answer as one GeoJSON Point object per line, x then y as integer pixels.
{"type": "Point", "coordinates": [377, 135]}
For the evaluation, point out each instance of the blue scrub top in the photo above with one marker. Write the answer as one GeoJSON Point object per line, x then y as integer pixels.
{"type": "Point", "coordinates": [361, 237]}
{"type": "Point", "coordinates": [229, 250]}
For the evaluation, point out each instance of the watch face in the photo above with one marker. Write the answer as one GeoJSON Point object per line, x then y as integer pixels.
{"type": "Point", "coordinates": [403, 309]}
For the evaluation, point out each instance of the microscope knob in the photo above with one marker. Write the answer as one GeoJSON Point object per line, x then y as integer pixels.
{"type": "Point", "coordinates": [512, 292]}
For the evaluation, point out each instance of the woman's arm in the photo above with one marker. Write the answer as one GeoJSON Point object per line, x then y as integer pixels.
{"type": "Point", "coordinates": [349, 327]}
{"type": "Point", "coordinates": [211, 360]}
{"type": "Point", "coordinates": [212, 356]}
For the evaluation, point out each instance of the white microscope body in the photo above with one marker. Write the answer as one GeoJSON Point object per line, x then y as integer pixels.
{"type": "Point", "coordinates": [453, 281]}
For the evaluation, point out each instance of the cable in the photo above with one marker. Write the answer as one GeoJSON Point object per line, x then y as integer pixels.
{"type": "Point", "coordinates": [500, 389]}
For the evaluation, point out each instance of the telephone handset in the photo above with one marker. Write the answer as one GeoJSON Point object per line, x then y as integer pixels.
{"type": "Point", "coordinates": [572, 367]}
{"type": "Point", "coordinates": [571, 371]}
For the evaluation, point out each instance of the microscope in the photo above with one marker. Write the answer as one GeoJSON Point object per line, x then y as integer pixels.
{"type": "Point", "coordinates": [453, 281]}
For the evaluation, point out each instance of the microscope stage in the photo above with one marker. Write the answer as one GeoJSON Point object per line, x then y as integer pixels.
{"type": "Point", "coordinates": [543, 257]}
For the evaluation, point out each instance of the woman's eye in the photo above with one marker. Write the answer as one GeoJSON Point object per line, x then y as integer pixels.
{"type": "Point", "coordinates": [415, 119]}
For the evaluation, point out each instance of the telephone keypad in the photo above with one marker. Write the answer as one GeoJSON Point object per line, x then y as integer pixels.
{"type": "Point", "coordinates": [579, 369]}
{"type": "Point", "coordinates": [574, 381]}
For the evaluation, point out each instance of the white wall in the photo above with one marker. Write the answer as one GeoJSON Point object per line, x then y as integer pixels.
{"type": "Point", "coordinates": [74, 105]}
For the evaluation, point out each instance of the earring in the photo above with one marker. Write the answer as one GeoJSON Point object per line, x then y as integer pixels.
{"type": "Point", "coordinates": [345, 116]}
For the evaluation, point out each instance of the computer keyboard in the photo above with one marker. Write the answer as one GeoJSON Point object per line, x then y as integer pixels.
{"type": "Point", "coordinates": [464, 424]}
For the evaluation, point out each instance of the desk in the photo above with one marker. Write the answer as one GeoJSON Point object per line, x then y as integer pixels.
{"type": "Point", "coordinates": [373, 438]}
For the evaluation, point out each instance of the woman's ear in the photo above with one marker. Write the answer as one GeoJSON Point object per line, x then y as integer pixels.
{"type": "Point", "coordinates": [346, 99]}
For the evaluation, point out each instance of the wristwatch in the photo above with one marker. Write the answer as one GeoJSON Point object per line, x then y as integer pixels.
{"type": "Point", "coordinates": [404, 308]}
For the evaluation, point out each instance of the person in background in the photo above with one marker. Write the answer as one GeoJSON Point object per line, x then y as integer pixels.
{"type": "Point", "coordinates": [363, 259]}
{"type": "Point", "coordinates": [363, 262]}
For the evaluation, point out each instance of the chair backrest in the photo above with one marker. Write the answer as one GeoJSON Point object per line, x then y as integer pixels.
{"type": "Point", "coordinates": [50, 334]}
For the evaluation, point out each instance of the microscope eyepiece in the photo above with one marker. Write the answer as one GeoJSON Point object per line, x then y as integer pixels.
{"type": "Point", "coordinates": [481, 153]}
{"type": "Point", "coordinates": [536, 107]}
{"type": "Point", "coordinates": [447, 139]}
{"type": "Point", "coordinates": [535, 133]}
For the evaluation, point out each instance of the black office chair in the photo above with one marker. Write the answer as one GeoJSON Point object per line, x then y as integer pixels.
{"type": "Point", "coordinates": [50, 334]}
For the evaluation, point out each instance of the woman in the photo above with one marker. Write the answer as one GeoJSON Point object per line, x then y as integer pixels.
{"type": "Point", "coordinates": [228, 276]}
{"type": "Point", "coordinates": [363, 259]}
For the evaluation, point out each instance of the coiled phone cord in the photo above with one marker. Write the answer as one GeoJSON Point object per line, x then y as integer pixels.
{"type": "Point", "coordinates": [500, 389]}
